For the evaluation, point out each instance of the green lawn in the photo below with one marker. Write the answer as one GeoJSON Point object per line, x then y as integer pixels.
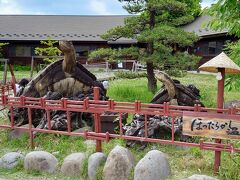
{"type": "Point", "coordinates": [136, 89]}
{"type": "Point", "coordinates": [18, 74]}
{"type": "Point", "coordinates": [184, 162]}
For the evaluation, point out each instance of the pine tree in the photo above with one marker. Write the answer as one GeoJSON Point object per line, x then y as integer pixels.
{"type": "Point", "coordinates": [1, 48]}
{"type": "Point", "coordinates": [157, 24]}
{"type": "Point", "coordinates": [49, 49]}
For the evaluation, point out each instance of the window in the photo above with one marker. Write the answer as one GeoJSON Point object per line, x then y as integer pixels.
{"type": "Point", "coordinates": [215, 47]}
{"type": "Point", "coordinates": [23, 51]}
{"type": "Point", "coordinates": [82, 51]}
{"type": "Point", "coordinates": [220, 45]}
{"type": "Point", "coordinates": [212, 48]}
{"type": "Point", "coordinates": [204, 48]}
{"type": "Point", "coordinates": [12, 51]}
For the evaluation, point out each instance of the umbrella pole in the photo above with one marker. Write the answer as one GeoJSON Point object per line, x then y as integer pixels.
{"type": "Point", "coordinates": [220, 100]}
{"type": "Point", "coordinates": [220, 95]}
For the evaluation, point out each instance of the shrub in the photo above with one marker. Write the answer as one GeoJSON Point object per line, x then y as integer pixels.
{"type": "Point", "coordinates": [1, 48]}
{"type": "Point", "coordinates": [176, 72]}
{"type": "Point", "coordinates": [17, 68]}
{"type": "Point", "coordinates": [130, 75]}
{"type": "Point", "coordinates": [50, 49]}
{"type": "Point", "coordinates": [22, 68]}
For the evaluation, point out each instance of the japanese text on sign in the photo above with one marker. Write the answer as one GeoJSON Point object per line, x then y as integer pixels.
{"type": "Point", "coordinates": [213, 126]}
{"type": "Point", "coordinates": [198, 124]}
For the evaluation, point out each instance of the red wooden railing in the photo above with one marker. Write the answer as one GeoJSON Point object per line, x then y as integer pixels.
{"type": "Point", "coordinates": [97, 107]}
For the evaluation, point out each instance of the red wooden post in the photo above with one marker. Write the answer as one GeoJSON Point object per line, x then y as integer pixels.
{"type": "Point", "coordinates": [220, 95]}
{"type": "Point", "coordinates": [48, 119]}
{"type": "Point", "coordinates": [145, 126]}
{"type": "Point", "coordinates": [12, 117]}
{"type": "Point", "coordinates": [220, 100]}
{"type": "Point", "coordinates": [97, 123]}
{"type": "Point", "coordinates": [68, 122]}
{"type": "Point", "coordinates": [30, 127]}
{"type": "Point", "coordinates": [173, 120]}
{"type": "Point", "coordinates": [120, 124]}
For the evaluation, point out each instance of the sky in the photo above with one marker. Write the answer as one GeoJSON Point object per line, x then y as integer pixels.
{"type": "Point", "coordinates": [67, 7]}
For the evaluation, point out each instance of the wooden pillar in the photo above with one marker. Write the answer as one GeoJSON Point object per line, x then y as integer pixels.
{"type": "Point", "coordinates": [5, 71]}
{"type": "Point", "coordinates": [32, 67]}
{"type": "Point", "coordinates": [97, 123]}
{"type": "Point", "coordinates": [220, 100]}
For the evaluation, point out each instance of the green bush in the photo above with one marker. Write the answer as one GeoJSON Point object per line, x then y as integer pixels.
{"type": "Point", "coordinates": [50, 49]}
{"type": "Point", "coordinates": [1, 48]}
{"type": "Point", "coordinates": [176, 72]}
{"type": "Point", "coordinates": [22, 68]}
{"type": "Point", "coordinates": [17, 68]}
{"type": "Point", "coordinates": [130, 75]}
{"type": "Point", "coordinates": [231, 164]}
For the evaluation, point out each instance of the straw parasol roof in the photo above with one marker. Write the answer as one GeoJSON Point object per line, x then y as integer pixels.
{"type": "Point", "coordinates": [220, 61]}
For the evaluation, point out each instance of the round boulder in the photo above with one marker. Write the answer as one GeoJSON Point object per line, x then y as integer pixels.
{"type": "Point", "coordinates": [10, 160]}
{"type": "Point", "coordinates": [94, 162]}
{"type": "Point", "coordinates": [73, 164]}
{"type": "Point", "coordinates": [153, 166]}
{"type": "Point", "coordinates": [19, 133]}
{"type": "Point", "coordinates": [119, 164]}
{"type": "Point", "coordinates": [40, 161]}
{"type": "Point", "coordinates": [200, 177]}
{"type": "Point", "coordinates": [232, 104]}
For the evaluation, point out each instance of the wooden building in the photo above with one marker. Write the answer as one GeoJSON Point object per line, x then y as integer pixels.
{"type": "Point", "coordinates": [211, 43]}
{"type": "Point", "coordinates": [24, 32]}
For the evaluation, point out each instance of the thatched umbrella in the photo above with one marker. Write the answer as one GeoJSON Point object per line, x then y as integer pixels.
{"type": "Point", "coordinates": [221, 64]}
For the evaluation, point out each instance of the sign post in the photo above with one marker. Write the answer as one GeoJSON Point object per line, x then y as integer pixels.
{"type": "Point", "coordinates": [214, 125]}
{"type": "Point", "coordinates": [220, 64]}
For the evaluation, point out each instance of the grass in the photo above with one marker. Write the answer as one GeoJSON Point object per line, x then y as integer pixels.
{"type": "Point", "coordinates": [183, 162]}
{"type": "Point", "coordinates": [136, 89]}
{"type": "Point", "coordinates": [18, 74]}
{"type": "Point", "coordinates": [129, 90]}
{"type": "Point", "coordinates": [208, 88]}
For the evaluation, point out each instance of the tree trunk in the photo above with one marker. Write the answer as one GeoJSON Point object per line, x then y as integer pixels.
{"type": "Point", "coordinates": [152, 82]}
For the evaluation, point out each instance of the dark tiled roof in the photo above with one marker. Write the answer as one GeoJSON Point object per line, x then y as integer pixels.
{"type": "Point", "coordinates": [199, 27]}
{"type": "Point", "coordinates": [75, 28]}
{"type": "Point", "coordinates": [39, 27]}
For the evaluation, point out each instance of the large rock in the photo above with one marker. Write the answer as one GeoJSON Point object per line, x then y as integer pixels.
{"type": "Point", "coordinates": [233, 103]}
{"type": "Point", "coordinates": [19, 133]}
{"type": "Point", "coordinates": [200, 177]}
{"type": "Point", "coordinates": [83, 129]}
{"type": "Point", "coordinates": [153, 166]}
{"type": "Point", "coordinates": [40, 161]}
{"type": "Point", "coordinates": [119, 164]}
{"type": "Point", "coordinates": [94, 162]}
{"type": "Point", "coordinates": [73, 164]}
{"type": "Point", "coordinates": [90, 143]}
{"type": "Point", "coordinates": [10, 160]}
